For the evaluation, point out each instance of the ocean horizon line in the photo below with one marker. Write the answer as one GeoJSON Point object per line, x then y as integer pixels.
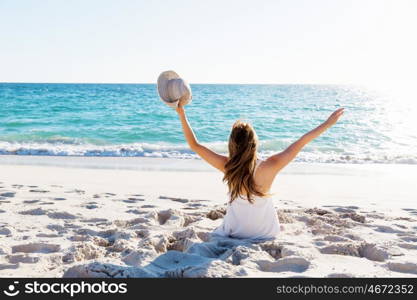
{"type": "Point", "coordinates": [193, 83]}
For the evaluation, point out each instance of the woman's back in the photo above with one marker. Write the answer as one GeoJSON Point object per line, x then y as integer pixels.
{"type": "Point", "coordinates": [257, 220]}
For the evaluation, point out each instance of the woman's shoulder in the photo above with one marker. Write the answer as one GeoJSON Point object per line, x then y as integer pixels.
{"type": "Point", "coordinates": [259, 161]}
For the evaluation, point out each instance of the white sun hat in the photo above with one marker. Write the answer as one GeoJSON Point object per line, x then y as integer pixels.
{"type": "Point", "coordinates": [172, 88]}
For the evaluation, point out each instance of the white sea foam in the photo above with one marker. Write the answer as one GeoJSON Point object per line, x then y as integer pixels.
{"type": "Point", "coordinates": [166, 150]}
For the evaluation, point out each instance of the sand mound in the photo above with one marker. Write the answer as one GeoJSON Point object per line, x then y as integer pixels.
{"type": "Point", "coordinates": [84, 251]}
{"type": "Point", "coordinates": [216, 213]}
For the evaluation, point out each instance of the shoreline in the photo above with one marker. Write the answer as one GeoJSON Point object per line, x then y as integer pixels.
{"type": "Point", "coordinates": [160, 163]}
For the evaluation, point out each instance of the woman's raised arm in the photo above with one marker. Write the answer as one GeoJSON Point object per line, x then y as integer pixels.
{"type": "Point", "coordinates": [216, 160]}
{"type": "Point", "coordinates": [278, 161]}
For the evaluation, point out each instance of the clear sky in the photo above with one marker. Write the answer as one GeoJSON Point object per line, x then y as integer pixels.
{"type": "Point", "coordinates": [216, 41]}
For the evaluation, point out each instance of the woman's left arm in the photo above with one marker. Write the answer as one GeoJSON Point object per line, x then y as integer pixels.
{"type": "Point", "coordinates": [216, 160]}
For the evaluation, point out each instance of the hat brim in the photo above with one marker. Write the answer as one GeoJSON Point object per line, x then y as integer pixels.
{"type": "Point", "coordinates": [162, 83]}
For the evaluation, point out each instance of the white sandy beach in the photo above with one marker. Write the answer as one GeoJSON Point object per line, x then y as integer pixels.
{"type": "Point", "coordinates": [148, 217]}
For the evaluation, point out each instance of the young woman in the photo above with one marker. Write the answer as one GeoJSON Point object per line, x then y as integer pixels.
{"type": "Point", "coordinates": [250, 212]}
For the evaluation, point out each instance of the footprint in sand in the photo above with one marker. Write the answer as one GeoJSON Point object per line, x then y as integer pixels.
{"type": "Point", "coordinates": [38, 191]}
{"type": "Point", "coordinates": [189, 208]}
{"type": "Point", "coordinates": [31, 201]}
{"type": "Point", "coordinates": [56, 227]}
{"type": "Point", "coordinates": [95, 220]}
{"type": "Point", "coordinates": [340, 275]}
{"type": "Point", "coordinates": [34, 212]}
{"type": "Point", "coordinates": [287, 264]}
{"type": "Point", "coordinates": [9, 266]}
{"type": "Point", "coordinates": [132, 200]}
{"type": "Point", "coordinates": [400, 226]}
{"type": "Point", "coordinates": [46, 203]}
{"type": "Point", "coordinates": [59, 199]}
{"type": "Point", "coordinates": [36, 248]}
{"type": "Point", "coordinates": [8, 194]}
{"type": "Point", "coordinates": [48, 235]}
{"type": "Point", "coordinates": [148, 206]}
{"type": "Point", "coordinates": [22, 258]}
{"type": "Point", "coordinates": [409, 238]}
{"type": "Point", "coordinates": [92, 205]}
{"type": "Point", "coordinates": [181, 200]}
{"type": "Point", "coordinates": [76, 191]}
{"type": "Point", "coordinates": [61, 215]}
{"type": "Point", "coordinates": [196, 205]}
{"type": "Point", "coordinates": [71, 225]}
{"type": "Point", "coordinates": [388, 229]}
{"type": "Point", "coordinates": [411, 211]}
{"type": "Point", "coordinates": [408, 246]}
{"type": "Point", "coordinates": [403, 267]}
{"type": "Point", "coordinates": [352, 207]}
{"type": "Point", "coordinates": [335, 238]}
{"type": "Point", "coordinates": [105, 195]}
{"type": "Point", "coordinates": [134, 211]}
{"type": "Point", "coordinates": [18, 186]}
{"type": "Point", "coordinates": [5, 231]}
{"type": "Point", "coordinates": [136, 198]}
{"type": "Point", "coordinates": [405, 219]}
{"type": "Point", "coordinates": [344, 209]}
{"type": "Point", "coordinates": [374, 215]}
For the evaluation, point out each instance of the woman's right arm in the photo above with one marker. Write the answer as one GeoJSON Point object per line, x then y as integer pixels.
{"type": "Point", "coordinates": [278, 161]}
{"type": "Point", "coordinates": [216, 160]}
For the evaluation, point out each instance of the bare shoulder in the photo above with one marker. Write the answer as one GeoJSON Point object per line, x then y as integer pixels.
{"type": "Point", "coordinates": [265, 174]}
{"type": "Point", "coordinates": [270, 164]}
{"type": "Point", "coordinates": [266, 166]}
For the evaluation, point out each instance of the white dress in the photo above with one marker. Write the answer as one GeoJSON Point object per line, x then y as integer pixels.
{"type": "Point", "coordinates": [247, 220]}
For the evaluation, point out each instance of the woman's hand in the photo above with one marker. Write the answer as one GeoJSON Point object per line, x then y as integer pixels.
{"type": "Point", "coordinates": [179, 109]}
{"type": "Point", "coordinates": [334, 117]}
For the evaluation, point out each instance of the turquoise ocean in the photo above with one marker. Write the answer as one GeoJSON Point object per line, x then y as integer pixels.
{"type": "Point", "coordinates": [130, 120]}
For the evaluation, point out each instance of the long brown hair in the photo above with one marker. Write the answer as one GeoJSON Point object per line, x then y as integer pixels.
{"type": "Point", "coordinates": [239, 169]}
